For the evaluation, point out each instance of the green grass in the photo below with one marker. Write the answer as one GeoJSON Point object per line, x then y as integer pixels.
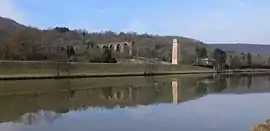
{"type": "Point", "coordinates": [14, 68]}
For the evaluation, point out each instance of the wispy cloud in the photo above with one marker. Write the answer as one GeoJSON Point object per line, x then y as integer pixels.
{"type": "Point", "coordinates": [136, 25]}
{"type": "Point", "coordinates": [9, 9]}
{"type": "Point", "coordinates": [229, 21]}
{"type": "Point", "coordinates": [244, 21]}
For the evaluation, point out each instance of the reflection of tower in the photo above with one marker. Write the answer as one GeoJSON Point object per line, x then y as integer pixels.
{"type": "Point", "coordinates": [175, 91]}
{"type": "Point", "coordinates": [175, 52]}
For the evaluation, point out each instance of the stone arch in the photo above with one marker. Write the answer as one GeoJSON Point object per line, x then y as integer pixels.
{"type": "Point", "coordinates": [102, 47]}
{"type": "Point", "coordinates": [119, 95]}
{"type": "Point", "coordinates": [126, 48]}
{"type": "Point", "coordinates": [107, 92]}
{"type": "Point", "coordinates": [110, 46]}
{"type": "Point", "coordinates": [91, 45]}
{"type": "Point", "coordinates": [118, 48]}
{"type": "Point", "coordinates": [122, 48]}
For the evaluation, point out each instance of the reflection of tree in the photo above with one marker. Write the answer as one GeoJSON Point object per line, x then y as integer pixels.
{"type": "Point", "coordinates": [107, 92]}
{"type": "Point", "coordinates": [243, 81]}
{"type": "Point", "coordinates": [235, 81]}
{"type": "Point", "coordinates": [249, 81]}
{"type": "Point", "coordinates": [156, 85]}
{"type": "Point", "coordinates": [71, 93]}
{"type": "Point", "coordinates": [66, 85]}
{"type": "Point", "coordinates": [220, 85]}
{"type": "Point", "coordinates": [150, 91]}
{"type": "Point", "coordinates": [214, 84]}
{"type": "Point", "coordinates": [62, 111]}
{"type": "Point", "coordinates": [201, 88]}
{"type": "Point", "coordinates": [151, 81]}
{"type": "Point", "coordinates": [40, 116]}
{"type": "Point", "coordinates": [116, 94]}
{"type": "Point", "coordinates": [268, 78]}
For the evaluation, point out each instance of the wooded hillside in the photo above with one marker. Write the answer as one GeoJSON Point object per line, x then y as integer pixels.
{"type": "Point", "coordinates": [19, 42]}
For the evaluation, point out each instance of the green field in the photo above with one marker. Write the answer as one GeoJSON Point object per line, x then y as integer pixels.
{"type": "Point", "coordinates": [25, 68]}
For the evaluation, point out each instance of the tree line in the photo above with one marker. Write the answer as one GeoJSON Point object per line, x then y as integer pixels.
{"type": "Point", "coordinates": [29, 43]}
{"type": "Point", "coordinates": [226, 60]}
{"type": "Point", "coordinates": [64, 44]}
{"type": "Point", "coordinates": [58, 44]}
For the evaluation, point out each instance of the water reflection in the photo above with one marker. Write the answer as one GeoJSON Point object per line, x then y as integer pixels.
{"type": "Point", "coordinates": [38, 117]}
{"type": "Point", "coordinates": [175, 93]}
{"type": "Point", "coordinates": [34, 102]}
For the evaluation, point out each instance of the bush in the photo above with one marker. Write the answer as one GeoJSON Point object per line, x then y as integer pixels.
{"type": "Point", "coordinates": [100, 60]}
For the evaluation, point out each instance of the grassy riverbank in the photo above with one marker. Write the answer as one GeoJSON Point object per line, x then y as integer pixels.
{"type": "Point", "coordinates": [16, 70]}
{"type": "Point", "coordinates": [48, 70]}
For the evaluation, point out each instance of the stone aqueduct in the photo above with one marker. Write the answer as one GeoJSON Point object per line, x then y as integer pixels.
{"type": "Point", "coordinates": [129, 46]}
{"type": "Point", "coordinates": [119, 47]}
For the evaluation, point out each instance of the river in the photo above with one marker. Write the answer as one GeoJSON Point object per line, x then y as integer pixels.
{"type": "Point", "coordinates": [172, 103]}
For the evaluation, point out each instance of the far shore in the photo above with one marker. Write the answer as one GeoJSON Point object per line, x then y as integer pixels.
{"type": "Point", "coordinates": [26, 70]}
{"type": "Point", "coordinates": [100, 75]}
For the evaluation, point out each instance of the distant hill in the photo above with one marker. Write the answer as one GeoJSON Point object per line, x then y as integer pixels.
{"type": "Point", "coordinates": [6, 23]}
{"type": "Point", "coordinates": [23, 41]}
{"type": "Point", "coordinates": [245, 48]}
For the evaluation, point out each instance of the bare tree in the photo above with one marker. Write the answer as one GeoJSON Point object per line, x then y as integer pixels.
{"type": "Point", "coordinates": [63, 58]}
{"type": "Point", "coordinates": [150, 66]}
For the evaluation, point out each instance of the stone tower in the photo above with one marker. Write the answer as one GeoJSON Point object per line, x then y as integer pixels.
{"type": "Point", "coordinates": [175, 52]}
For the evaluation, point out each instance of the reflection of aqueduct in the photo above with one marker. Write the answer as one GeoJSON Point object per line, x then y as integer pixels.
{"type": "Point", "coordinates": [120, 47]}
{"type": "Point", "coordinates": [40, 116]}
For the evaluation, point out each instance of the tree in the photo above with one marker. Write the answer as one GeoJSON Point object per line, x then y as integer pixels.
{"type": "Point", "coordinates": [70, 51]}
{"type": "Point", "coordinates": [23, 44]}
{"type": "Point", "coordinates": [90, 43]}
{"type": "Point", "coordinates": [49, 39]}
{"type": "Point", "coordinates": [243, 57]}
{"type": "Point", "coordinates": [220, 58]}
{"type": "Point", "coordinates": [268, 61]}
{"type": "Point", "coordinates": [107, 56]}
{"type": "Point", "coordinates": [158, 46]}
{"type": "Point", "coordinates": [200, 52]}
{"type": "Point", "coordinates": [235, 62]}
{"type": "Point", "coordinates": [249, 60]}
{"type": "Point", "coordinates": [62, 29]}
{"type": "Point", "coordinates": [62, 58]}
{"type": "Point", "coordinates": [230, 61]}
{"type": "Point", "coordinates": [150, 63]}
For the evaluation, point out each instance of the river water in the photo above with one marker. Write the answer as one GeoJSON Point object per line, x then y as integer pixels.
{"type": "Point", "coordinates": [171, 103]}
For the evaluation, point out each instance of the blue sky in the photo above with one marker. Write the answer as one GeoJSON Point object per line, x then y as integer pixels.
{"type": "Point", "coordinates": [245, 21]}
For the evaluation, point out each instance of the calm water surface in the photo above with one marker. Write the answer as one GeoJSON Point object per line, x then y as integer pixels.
{"type": "Point", "coordinates": [171, 103]}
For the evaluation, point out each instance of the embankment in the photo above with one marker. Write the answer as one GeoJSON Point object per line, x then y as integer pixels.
{"type": "Point", "coordinates": [17, 70]}
{"type": "Point", "coordinates": [52, 70]}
